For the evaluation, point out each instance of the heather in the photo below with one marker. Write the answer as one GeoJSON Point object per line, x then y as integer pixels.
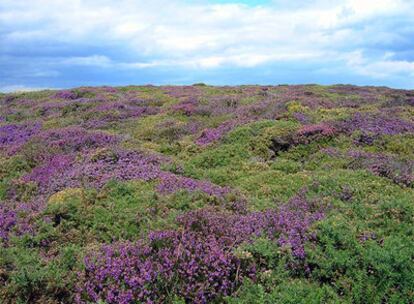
{"type": "Point", "coordinates": [203, 194]}
{"type": "Point", "coordinates": [197, 263]}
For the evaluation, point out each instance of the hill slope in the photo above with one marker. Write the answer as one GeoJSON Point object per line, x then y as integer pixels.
{"type": "Point", "coordinates": [143, 194]}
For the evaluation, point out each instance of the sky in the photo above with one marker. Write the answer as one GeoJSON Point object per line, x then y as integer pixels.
{"type": "Point", "coordinates": [70, 43]}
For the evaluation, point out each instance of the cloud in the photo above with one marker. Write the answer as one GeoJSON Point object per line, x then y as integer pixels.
{"type": "Point", "coordinates": [206, 36]}
{"type": "Point", "coordinates": [20, 88]}
{"type": "Point", "coordinates": [93, 60]}
{"type": "Point", "coordinates": [382, 67]}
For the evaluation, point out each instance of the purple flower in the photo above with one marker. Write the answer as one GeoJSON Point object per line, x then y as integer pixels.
{"type": "Point", "coordinates": [14, 136]}
{"type": "Point", "coordinates": [44, 173]}
{"type": "Point", "coordinates": [7, 221]}
{"type": "Point", "coordinates": [196, 262]}
{"type": "Point", "coordinates": [17, 218]}
{"type": "Point", "coordinates": [66, 94]}
{"type": "Point", "coordinates": [377, 124]}
{"type": "Point", "coordinates": [399, 171]}
{"type": "Point", "coordinates": [210, 135]}
{"type": "Point", "coordinates": [170, 182]}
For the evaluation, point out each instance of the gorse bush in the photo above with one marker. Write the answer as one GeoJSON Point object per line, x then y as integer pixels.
{"type": "Point", "coordinates": [200, 194]}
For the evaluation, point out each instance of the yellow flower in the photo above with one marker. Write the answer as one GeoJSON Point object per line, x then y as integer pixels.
{"type": "Point", "coordinates": [64, 195]}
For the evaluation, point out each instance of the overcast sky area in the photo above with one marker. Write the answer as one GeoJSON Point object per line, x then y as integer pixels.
{"type": "Point", "coordinates": [69, 43]}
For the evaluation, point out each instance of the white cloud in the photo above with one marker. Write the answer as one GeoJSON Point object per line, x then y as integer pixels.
{"type": "Point", "coordinates": [93, 60]}
{"type": "Point", "coordinates": [199, 35]}
{"type": "Point", "coordinates": [379, 68]}
{"type": "Point", "coordinates": [21, 88]}
{"type": "Point", "coordinates": [177, 27]}
{"type": "Point", "coordinates": [386, 68]}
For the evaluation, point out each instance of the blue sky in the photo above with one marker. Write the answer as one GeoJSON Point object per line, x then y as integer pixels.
{"type": "Point", "coordinates": [61, 43]}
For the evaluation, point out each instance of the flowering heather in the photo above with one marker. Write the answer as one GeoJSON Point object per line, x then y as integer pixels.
{"type": "Point", "coordinates": [302, 118]}
{"type": "Point", "coordinates": [192, 194]}
{"type": "Point", "coordinates": [63, 108]}
{"type": "Point", "coordinates": [17, 218]}
{"type": "Point", "coordinates": [66, 95]}
{"type": "Point", "coordinates": [14, 136]}
{"type": "Point", "coordinates": [74, 139]}
{"type": "Point", "coordinates": [110, 89]}
{"type": "Point", "coordinates": [187, 107]}
{"type": "Point", "coordinates": [197, 263]}
{"type": "Point", "coordinates": [97, 168]}
{"type": "Point", "coordinates": [44, 173]}
{"type": "Point", "coordinates": [322, 130]}
{"type": "Point", "coordinates": [192, 127]}
{"type": "Point", "coordinates": [109, 118]}
{"type": "Point", "coordinates": [333, 152]}
{"type": "Point", "coordinates": [170, 183]}
{"type": "Point", "coordinates": [94, 170]}
{"type": "Point", "coordinates": [125, 110]}
{"type": "Point", "coordinates": [210, 135]}
{"type": "Point", "coordinates": [102, 165]}
{"type": "Point", "coordinates": [288, 224]}
{"type": "Point", "coordinates": [53, 108]}
{"type": "Point", "coordinates": [7, 221]}
{"type": "Point", "coordinates": [182, 92]}
{"type": "Point", "coordinates": [399, 171]}
{"type": "Point", "coordinates": [172, 262]}
{"type": "Point", "coordinates": [378, 124]}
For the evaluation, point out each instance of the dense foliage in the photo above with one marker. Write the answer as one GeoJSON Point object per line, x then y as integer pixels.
{"type": "Point", "coordinates": [200, 194]}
